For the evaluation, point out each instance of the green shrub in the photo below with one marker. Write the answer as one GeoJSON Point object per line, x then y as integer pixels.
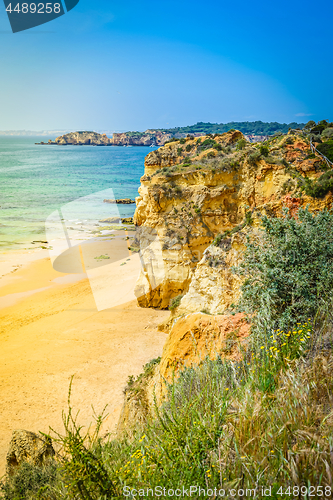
{"type": "Point", "coordinates": [182, 141]}
{"type": "Point", "coordinates": [318, 188]}
{"type": "Point", "coordinates": [31, 482]}
{"type": "Point", "coordinates": [264, 150]}
{"type": "Point", "coordinates": [326, 148]}
{"type": "Point", "coordinates": [254, 157]}
{"type": "Point", "coordinates": [241, 144]}
{"type": "Point", "coordinates": [206, 144]}
{"type": "Point", "coordinates": [179, 151]}
{"type": "Point", "coordinates": [175, 302]}
{"type": "Point", "coordinates": [217, 146]}
{"type": "Point", "coordinates": [328, 133]}
{"type": "Point", "coordinates": [288, 267]}
{"type": "Point", "coordinates": [84, 472]}
{"type": "Point", "coordinates": [173, 139]}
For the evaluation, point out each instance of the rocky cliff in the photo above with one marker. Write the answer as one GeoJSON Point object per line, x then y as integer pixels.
{"type": "Point", "coordinates": [147, 138]}
{"type": "Point", "coordinates": [81, 139]}
{"type": "Point", "coordinates": [196, 189]}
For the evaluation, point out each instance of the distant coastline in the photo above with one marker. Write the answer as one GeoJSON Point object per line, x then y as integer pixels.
{"type": "Point", "coordinates": [253, 131]}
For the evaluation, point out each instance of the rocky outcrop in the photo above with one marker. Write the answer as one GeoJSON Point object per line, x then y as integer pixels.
{"type": "Point", "coordinates": [147, 138]}
{"type": "Point", "coordinates": [81, 139]}
{"type": "Point", "coordinates": [121, 201]}
{"type": "Point", "coordinates": [117, 220]}
{"type": "Point", "coordinates": [196, 336]}
{"type": "Point", "coordinates": [195, 189]}
{"type": "Point", "coordinates": [26, 446]}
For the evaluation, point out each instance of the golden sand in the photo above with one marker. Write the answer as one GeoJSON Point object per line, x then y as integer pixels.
{"type": "Point", "coordinates": [50, 330]}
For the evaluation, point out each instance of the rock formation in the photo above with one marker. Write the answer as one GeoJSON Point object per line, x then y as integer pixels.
{"type": "Point", "coordinates": [195, 189]}
{"type": "Point", "coordinates": [81, 139]}
{"type": "Point", "coordinates": [121, 201]}
{"type": "Point", "coordinates": [26, 446]}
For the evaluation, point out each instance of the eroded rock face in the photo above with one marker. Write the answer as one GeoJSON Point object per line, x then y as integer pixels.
{"type": "Point", "coordinates": [195, 189]}
{"type": "Point", "coordinates": [26, 446]}
{"type": "Point", "coordinates": [214, 287]}
{"type": "Point", "coordinates": [195, 336]}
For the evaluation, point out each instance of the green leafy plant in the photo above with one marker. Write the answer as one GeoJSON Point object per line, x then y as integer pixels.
{"type": "Point", "coordinates": [32, 482]}
{"type": "Point", "coordinates": [278, 276]}
{"type": "Point", "coordinates": [264, 151]}
{"type": "Point", "coordinates": [241, 144]}
{"type": "Point", "coordinates": [326, 148]}
{"type": "Point", "coordinates": [175, 302]}
{"type": "Point", "coordinates": [84, 472]}
{"type": "Point", "coordinates": [254, 157]}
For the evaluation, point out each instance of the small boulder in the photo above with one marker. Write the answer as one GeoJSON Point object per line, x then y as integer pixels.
{"type": "Point", "coordinates": [29, 447]}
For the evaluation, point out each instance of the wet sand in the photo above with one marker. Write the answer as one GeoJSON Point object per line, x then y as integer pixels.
{"type": "Point", "coordinates": [50, 329]}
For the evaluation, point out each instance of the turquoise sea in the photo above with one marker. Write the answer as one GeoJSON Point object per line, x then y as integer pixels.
{"type": "Point", "coordinates": [37, 180]}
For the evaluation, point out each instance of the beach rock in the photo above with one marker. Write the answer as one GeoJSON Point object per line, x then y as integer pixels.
{"type": "Point", "coordinates": [127, 220]}
{"type": "Point", "coordinates": [26, 446]}
{"type": "Point", "coordinates": [111, 220]}
{"type": "Point", "coordinates": [122, 201]}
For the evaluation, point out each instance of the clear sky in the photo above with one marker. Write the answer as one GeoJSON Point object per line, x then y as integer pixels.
{"type": "Point", "coordinates": [141, 64]}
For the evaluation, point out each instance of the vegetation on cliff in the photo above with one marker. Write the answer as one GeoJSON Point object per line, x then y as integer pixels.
{"type": "Point", "coordinates": [253, 128]}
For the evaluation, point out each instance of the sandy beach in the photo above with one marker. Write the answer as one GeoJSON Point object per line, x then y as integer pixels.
{"type": "Point", "coordinates": [50, 329]}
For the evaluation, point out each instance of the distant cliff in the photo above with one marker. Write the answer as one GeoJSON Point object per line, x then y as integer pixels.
{"type": "Point", "coordinates": [81, 139]}
{"type": "Point", "coordinates": [147, 138]}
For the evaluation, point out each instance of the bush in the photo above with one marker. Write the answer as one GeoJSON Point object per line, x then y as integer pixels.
{"type": "Point", "coordinates": [175, 302]}
{"type": "Point", "coordinates": [207, 144]}
{"type": "Point", "coordinates": [179, 151]}
{"type": "Point", "coordinates": [189, 147]}
{"type": "Point", "coordinates": [326, 148]}
{"type": "Point", "coordinates": [241, 144]}
{"type": "Point", "coordinates": [264, 150]}
{"type": "Point", "coordinates": [31, 482]}
{"type": "Point", "coordinates": [182, 141]}
{"type": "Point", "coordinates": [318, 188]}
{"type": "Point", "coordinates": [328, 133]}
{"type": "Point", "coordinates": [254, 157]}
{"type": "Point", "coordinates": [288, 267]}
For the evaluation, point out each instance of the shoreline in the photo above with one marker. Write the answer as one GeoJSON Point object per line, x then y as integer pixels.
{"type": "Point", "coordinates": [51, 330]}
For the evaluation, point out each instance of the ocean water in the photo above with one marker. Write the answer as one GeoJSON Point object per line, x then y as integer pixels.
{"type": "Point", "coordinates": [36, 181]}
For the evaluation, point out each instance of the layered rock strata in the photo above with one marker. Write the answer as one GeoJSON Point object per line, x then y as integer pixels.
{"type": "Point", "coordinates": [195, 189]}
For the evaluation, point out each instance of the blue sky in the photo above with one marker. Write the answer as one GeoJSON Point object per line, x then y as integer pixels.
{"type": "Point", "coordinates": [137, 65]}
